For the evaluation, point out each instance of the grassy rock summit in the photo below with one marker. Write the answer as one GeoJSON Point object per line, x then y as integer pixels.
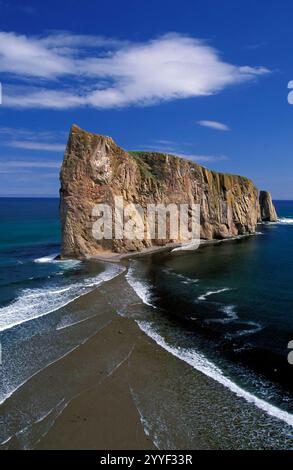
{"type": "Point", "coordinates": [95, 170]}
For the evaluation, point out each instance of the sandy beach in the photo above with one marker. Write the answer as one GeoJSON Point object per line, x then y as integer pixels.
{"type": "Point", "coordinates": [181, 247]}
{"type": "Point", "coordinates": [103, 416]}
{"type": "Point", "coordinates": [119, 389]}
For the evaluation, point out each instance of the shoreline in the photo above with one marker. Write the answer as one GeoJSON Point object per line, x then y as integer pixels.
{"type": "Point", "coordinates": [124, 391]}
{"type": "Point", "coordinates": [109, 414]}
{"type": "Point", "coordinates": [179, 247]}
{"type": "Point", "coordinates": [136, 393]}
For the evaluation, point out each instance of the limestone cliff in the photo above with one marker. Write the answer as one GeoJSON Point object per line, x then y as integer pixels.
{"type": "Point", "coordinates": [95, 170]}
{"type": "Point", "coordinates": [267, 209]}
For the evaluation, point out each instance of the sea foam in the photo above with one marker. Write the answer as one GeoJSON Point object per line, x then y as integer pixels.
{"type": "Point", "coordinates": [199, 362]}
{"type": "Point", "coordinates": [213, 292]}
{"type": "Point", "coordinates": [63, 263]}
{"type": "Point", "coordinates": [35, 303]}
{"type": "Point", "coordinates": [46, 259]}
{"type": "Point", "coordinates": [285, 220]}
{"type": "Point", "coordinates": [230, 315]}
{"type": "Point", "coordinates": [141, 288]}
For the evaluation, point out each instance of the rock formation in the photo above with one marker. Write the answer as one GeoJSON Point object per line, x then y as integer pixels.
{"type": "Point", "coordinates": [267, 209]}
{"type": "Point", "coordinates": [95, 170]}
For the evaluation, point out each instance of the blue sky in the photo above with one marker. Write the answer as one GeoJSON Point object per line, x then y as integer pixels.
{"type": "Point", "coordinates": [203, 79]}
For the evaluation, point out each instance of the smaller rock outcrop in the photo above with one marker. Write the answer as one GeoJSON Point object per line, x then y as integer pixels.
{"type": "Point", "coordinates": [267, 209]}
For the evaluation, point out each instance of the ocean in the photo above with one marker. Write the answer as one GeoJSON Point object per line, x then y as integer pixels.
{"type": "Point", "coordinates": [225, 310]}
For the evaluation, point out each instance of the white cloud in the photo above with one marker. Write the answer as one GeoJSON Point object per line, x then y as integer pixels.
{"type": "Point", "coordinates": [27, 139]}
{"type": "Point", "coordinates": [63, 39]}
{"type": "Point", "coordinates": [11, 166]}
{"type": "Point", "coordinates": [20, 55]}
{"type": "Point", "coordinates": [28, 145]}
{"type": "Point", "coordinates": [42, 98]}
{"type": "Point", "coordinates": [219, 126]}
{"type": "Point", "coordinates": [77, 71]}
{"type": "Point", "coordinates": [32, 134]}
{"type": "Point", "coordinates": [198, 158]}
{"type": "Point", "coordinates": [203, 158]}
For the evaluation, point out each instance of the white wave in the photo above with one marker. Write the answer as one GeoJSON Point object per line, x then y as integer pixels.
{"type": "Point", "coordinates": [213, 292]}
{"type": "Point", "coordinates": [230, 315]}
{"type": "Point", "coordinates": [35, 303]}
{"type": "Point", "coordinates": [199, 362]}
{"type": "Point", "coordinates": [184, 279]}
{"type": "Point", "coordinates": [251, 328]}
{"type": "Point", "coordinates": [141, 288]}
{"type": "Point", "coordinates": [39, 292]}
{"type": "Point", "coordinates": [46, 259]}
{"type": "Point", "coordinates": [188, 280]}
{"type": "Point", "coordinates": [8, 393]}
{"type": "Point", "coordinates": [281, 221]}
{"type": "Point", "coordinates": [231, 239]}
{"type": "Point", "coordinates": [285, 220]}
{"type": "Point", "coordinates": [63, 263]}
{"type": "Point", "coordinates": [189, 246]}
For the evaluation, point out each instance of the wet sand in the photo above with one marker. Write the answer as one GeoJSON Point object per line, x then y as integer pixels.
{"type": "Point", "coordinates": [104, 416]}
{"type": "Point", "coordinates": [120, 390]}
{"type": "Point", "coordinates": [151, 399]}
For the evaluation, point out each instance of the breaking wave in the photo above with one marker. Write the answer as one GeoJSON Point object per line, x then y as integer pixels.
{"type": "Point", "coordinates": [285, 220]}
{"type": "Point", "coordinates": [35, 303]}
{"type": "Point", "coordinates": [213, 292]}
{"type": "Point", "coordinates": [199, 362]}
{"type": "Point", "coordinates": [230, 315]}
{"type": "Point", "coordinates": [141, 288]}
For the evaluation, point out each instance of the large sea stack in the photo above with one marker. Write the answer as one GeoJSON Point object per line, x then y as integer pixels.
{"type": "Point", "coordinates": [95, 170]}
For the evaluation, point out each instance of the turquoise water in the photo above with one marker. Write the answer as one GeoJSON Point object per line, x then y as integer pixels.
{"type": "Point", "coordinates": [35, 290]}
{"type": "Point", "coordinates": [29, 230]}
{"type": "Point", "coordinates": [231, 302]}
{"type": "Point", "coordinates": [27, 223]}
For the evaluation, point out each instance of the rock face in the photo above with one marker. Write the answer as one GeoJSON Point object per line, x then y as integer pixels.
{"type": "Point", "coordinates": [95, 170]}
{"type": "Point", "coordinates": [267, 209]}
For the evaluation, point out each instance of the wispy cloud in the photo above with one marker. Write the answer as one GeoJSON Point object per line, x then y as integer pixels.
{"type": "Point", "coordinates": [257, 45]}
{"type": "Point", "coordinates": [165, 142]}
{"type": "Point", "coordinates": [198, 158]}
{"type": "Point", "coordinates": [9, 166]}
{"type": "Point", "coordinates": [219, 126]}
{"type": "Point", "coordinates": [27, 139]}
{"type": "Point", "coordinates": [32, 134]}
{"type": "Point", "coordinates": [28, 145]}
{"type": "Point", "coordinates": [204, 158]}
{"type": "Point", "coordinates": [70, 71]}
{"type": "Point", "coordinates": [81, 41]}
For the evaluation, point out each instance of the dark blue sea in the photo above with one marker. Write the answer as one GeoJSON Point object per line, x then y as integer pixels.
{"type": "Point", "coordinates": [226, 309]}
